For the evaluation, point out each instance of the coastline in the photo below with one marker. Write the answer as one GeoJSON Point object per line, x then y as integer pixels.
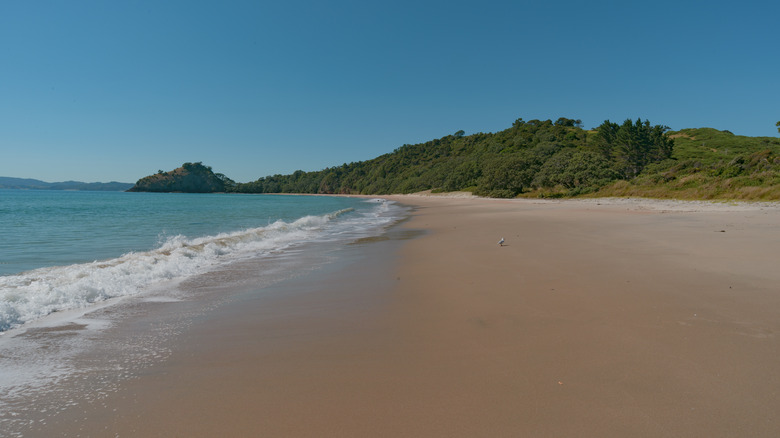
{"type": "Point", "coordinates": [598, 318]}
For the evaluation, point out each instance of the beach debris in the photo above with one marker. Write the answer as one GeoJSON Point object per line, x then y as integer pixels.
{"type": "Point", "coordinates": [501, 242]}
{"type": "Point", "coordinates": [560, 383]}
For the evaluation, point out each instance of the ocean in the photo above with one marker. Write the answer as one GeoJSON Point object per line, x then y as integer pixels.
{"type": "Point", "coordinates": [75, 264]}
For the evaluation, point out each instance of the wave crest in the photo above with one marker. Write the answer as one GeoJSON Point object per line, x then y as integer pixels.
{"type": "Point", "coordinates": [34, 294]}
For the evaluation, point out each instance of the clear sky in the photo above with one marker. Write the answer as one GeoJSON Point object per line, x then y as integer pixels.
{"type": "Point", "coordinates": [116, 90]}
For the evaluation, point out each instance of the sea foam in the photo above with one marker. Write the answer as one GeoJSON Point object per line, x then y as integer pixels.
{"type": "Point", "coordinates": [31, 295]}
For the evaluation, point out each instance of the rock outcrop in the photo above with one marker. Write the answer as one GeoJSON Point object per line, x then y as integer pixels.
{"type": "Point", "coordinates": [190, 178]}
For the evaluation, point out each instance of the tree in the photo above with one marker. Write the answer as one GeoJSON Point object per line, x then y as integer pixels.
{"type": "Point", "coordinates": [563, 121]}
{"type": "Point", "coordinates": [228, 183]}
{"type": "Point", "coordinates": [778, 126]}
{"type": "Point", "coordinates": [329, 183]}
{"type": "Point", "coordinates": [606, 134]}
{"type": "Point", "coordinates": [462, 174]}
{"type": "Point", "coordinates": [505, 176]}
{"type": "Point", "coordinates": [575, 169]}
{"type": "Point", "coordinates": [634, 145]}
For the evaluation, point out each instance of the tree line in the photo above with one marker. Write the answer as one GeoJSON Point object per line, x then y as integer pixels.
{"type": "Point", "coordinates": [530, 155]}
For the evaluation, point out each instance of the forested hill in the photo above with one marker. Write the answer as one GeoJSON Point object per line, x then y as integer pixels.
{"type": "Point", "coordinates": [189, 178]}
{"type": "Point", "coordinates": [553, 159]}
{"type": "Point", "coordinates": [502, 164]}
{"type": "Point", "coordinates": [542, 158]}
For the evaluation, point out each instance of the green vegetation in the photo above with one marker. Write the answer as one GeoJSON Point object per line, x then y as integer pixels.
{"type": "Point", "coordinates": [709, 164]}
{"type": "Point", "coordinates": [535, 157]}
{"type": "Point", "coordinates": [632, 146]}
{"type": "Point", "coordinates": [189, 178]}
{"type": "Point", "coordinates": [549, 159]}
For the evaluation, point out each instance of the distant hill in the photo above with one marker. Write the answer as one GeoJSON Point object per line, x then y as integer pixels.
{"type": "Point", "coordinates": [35, 184]}
{"type": "Point", "coordinates": [190, 178]}
{"type": "Point", "coordinates": [542, 158]}
{"type": "Point", "coordinates": [536, 158]}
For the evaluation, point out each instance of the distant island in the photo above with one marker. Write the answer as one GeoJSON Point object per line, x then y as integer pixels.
{"type": "Point", "coordinates": [34, 184]}
{"type": "Point", "coordinates": [535, 158]}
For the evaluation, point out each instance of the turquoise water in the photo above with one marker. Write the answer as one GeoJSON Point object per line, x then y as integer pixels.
{"type": "Point", "coordinates": [63, 250]}
{"type": "Point", "coordinates": [95, 287]}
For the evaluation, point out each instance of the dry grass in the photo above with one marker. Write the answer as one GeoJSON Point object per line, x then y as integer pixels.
{"type": "Point", "coordinates": [694, 187]}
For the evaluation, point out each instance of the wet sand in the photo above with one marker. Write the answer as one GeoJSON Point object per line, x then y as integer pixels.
{"type": "Point", "coordinates": [597, 318]}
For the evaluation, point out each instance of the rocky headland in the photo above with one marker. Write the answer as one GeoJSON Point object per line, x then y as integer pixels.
{"type": "Point", "coordinates": [190, 178]}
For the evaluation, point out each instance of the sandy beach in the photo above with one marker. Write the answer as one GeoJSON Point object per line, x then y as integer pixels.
{"type": "Point", "coordinates": [597, 318]}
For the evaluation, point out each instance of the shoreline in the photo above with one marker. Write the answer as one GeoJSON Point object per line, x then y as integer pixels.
{"type": "Point", "coordinates": [596, 319]}
{"type": "Point", "coordinates": [657, 204]}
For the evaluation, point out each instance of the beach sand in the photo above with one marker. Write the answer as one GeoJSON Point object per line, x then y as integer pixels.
{"type": "Point", "coordinates": [597, 318]}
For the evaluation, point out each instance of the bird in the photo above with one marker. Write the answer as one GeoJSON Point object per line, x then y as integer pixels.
{"type": "Point", "coordinates": [501, 242]}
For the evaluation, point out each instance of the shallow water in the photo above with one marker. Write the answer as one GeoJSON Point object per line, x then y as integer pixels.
{"type": "Point", "coordinates": [73, 331]}
{"type": "Point", "coordinates": [70, 250]}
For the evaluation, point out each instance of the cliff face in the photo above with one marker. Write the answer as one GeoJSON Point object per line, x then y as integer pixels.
{"type": "Point", "coordinates": [190, 178]}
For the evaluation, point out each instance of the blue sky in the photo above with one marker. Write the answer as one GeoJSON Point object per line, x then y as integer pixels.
{"type": "Point", "coordinates": [115, 90]}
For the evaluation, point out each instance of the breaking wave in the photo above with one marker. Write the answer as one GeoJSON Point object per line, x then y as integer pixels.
{"type": "Point", "coordinates": [31, 295]}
